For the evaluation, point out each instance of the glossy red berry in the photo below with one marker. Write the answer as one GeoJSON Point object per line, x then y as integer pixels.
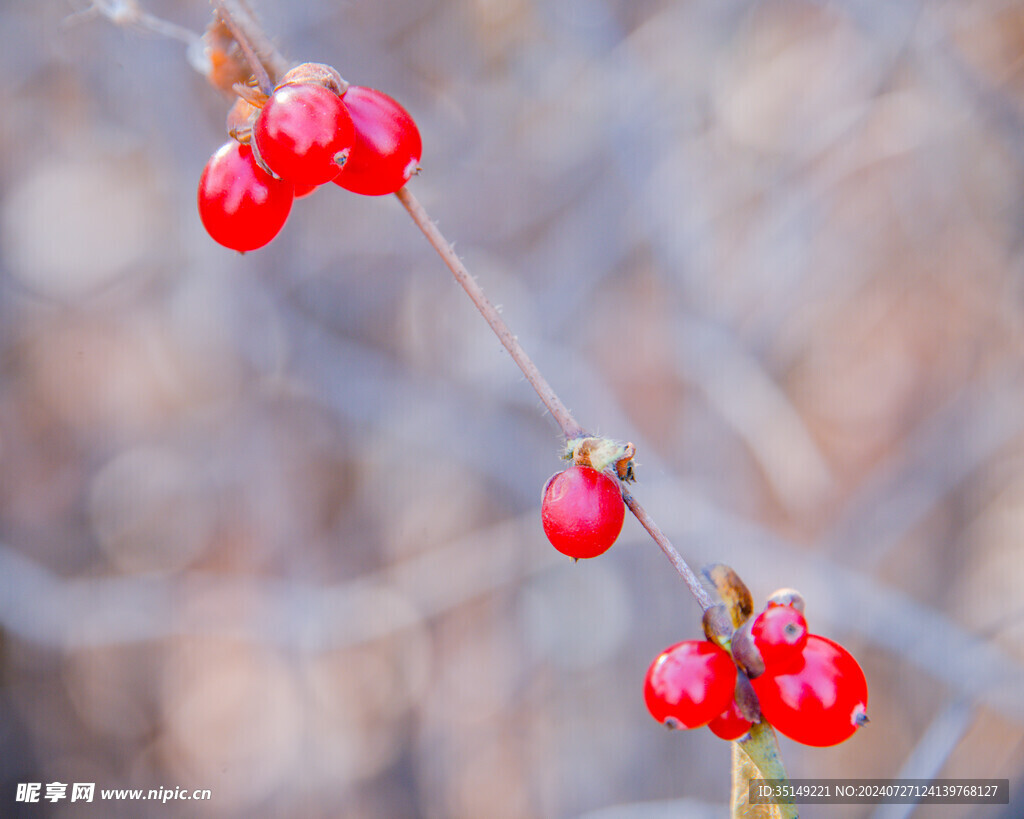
{"type": "Point", "coordinates": [304, 133]}
{"type": "Point", "coordinates": [689, 684]}
{"type": "Point", "coordinates": [730, 724]}
{"type": "Point", "coordinates": [821, 701]}
{"type": "Point", "coordinates": [387, 147]}
{"type": "Point", "coordinates": [302, 190]}
{"type": "Point", "coordinates": [582, 512]}
{"type": "Point", "coordinates": [780, 633]}
{"type": "Point", "coordinates": [241, 206]}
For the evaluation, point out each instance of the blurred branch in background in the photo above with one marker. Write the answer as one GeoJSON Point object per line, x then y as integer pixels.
{"type": "Point", "coordinates": [81, 613]}
{"type": "Point", "coordinates": [71, 614]}
{"type": "Point", "coordinates": [269, 523]}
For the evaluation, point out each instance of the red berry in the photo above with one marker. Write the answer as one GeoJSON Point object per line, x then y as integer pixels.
{"type": "Point", "coordinates": [689, 684]}
{"type": "Point", "coordinates": [821, 701]}
{"type": "Point", "coordinates": [241, 206]}
{"type": "Point", "coordinates": [780, 633]}
{"type": "Point", "coordinates": [387, 147]}
{"type": "Point", "coordinates": [302, 133]}
{"type": "Point", "coordinates": [302, 189]}
{"type": "Point", "coordinates": [582, 512]}
{"type": "Point", "coordinates": [730, 724]}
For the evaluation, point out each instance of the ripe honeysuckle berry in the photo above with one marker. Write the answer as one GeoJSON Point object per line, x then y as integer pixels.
{"type": "Point", "coordinates": [821, 701]}
{"type": "Point", "coordinates": [304, 133]}
{"type": "Point", "coordinates": [780, 633]}
{"type": "Point", "coordinates": [303, 189]}
{"type": "Point", "coordinates": [582, 512]}
{"type": "Point", "coordinates": [387, 148]}
{"type": "Point", "coordinates": [730, 724]}
{"type": "Point", "coordinates": [241, 206]}
{"type": "Point", "coordinates": [689, 684]}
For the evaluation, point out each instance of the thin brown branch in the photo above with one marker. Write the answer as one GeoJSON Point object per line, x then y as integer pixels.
{"type": "Point", "coordinates": [570, 428]}
{"type": "Point", "coordinates": [692, 581]}
{"type": "Point", "coordinates": [266, 62]}
{"type": "Point", "coordinates": [259, 71]}
{"type": "Point", "coordinates": [127, 14]}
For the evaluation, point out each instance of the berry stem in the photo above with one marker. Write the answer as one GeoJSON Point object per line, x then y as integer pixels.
{"type": "Point", "coordinates": [258, 50]}
{"type": "Point", "coordinates": [570, 427]}
{"type": "Point", "coordinates": [758, 757]}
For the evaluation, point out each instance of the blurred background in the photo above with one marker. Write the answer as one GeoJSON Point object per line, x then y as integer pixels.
{"type": "Point", "coordinates": [269, 523]}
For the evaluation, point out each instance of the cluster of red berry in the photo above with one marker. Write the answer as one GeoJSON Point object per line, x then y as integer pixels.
{"type": "Point", "coordinates": [807, 686]}
{"type": "Point", "coordinates": [313, 129]}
